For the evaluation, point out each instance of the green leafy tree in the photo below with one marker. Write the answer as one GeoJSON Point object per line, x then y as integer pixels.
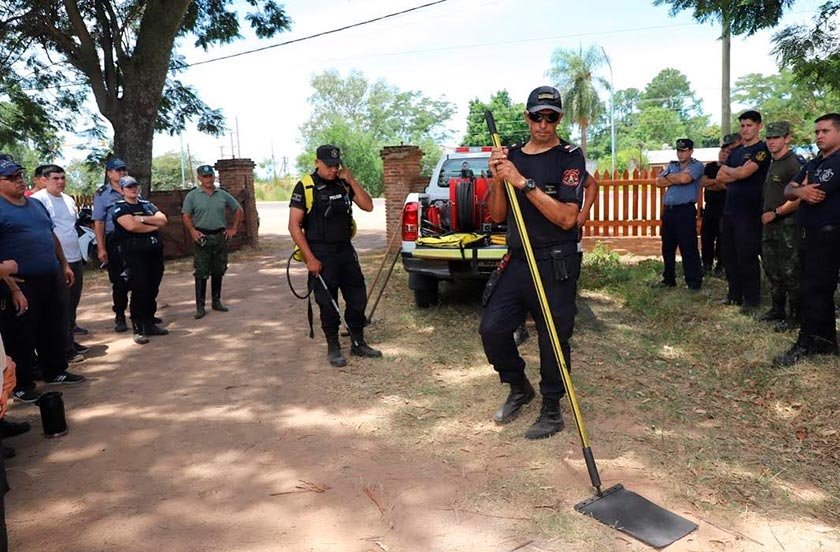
{"type": "Point", "coordinates": [121, 53]}
{"type": "Point", "coordinates": [510, 122]}
{"type": "Point", "coordinates": [362, 117]}
{"type": "Point", "coordinates": [572, 71]}
{"type": "Point", "coordinates": [812, 53]}
{"type": "Point", "coordinates": [742, 17]}
{"type": "Point", "coordinates": [166, 171]}
{"type": "Point", "coordinates": [783, 97]}
{"type": "Point", "coordinates": [671, 90]}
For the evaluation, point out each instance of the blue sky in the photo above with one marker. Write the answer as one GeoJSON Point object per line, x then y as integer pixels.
{"type": "Point", "coordinates": [458, 50]}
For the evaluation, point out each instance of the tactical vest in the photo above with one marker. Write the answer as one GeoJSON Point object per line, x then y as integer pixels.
{"type": "Point", "coordinates": [329, 213]}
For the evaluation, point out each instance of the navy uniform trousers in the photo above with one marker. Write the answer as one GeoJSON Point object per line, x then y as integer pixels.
{"type": "Point", "coordinates": [679, 229]}
{"type": "Point", "coordinates": [741, 239]}
{"type": "Point", "coordinates": [513, 298]}
{"type": "Point", "coordinates": [341, 271]}
{"type": "Point", "coordinates": [820, 252]}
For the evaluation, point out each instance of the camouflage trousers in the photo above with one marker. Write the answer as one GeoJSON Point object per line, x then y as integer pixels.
{"type": "Point", "coordinates": [780, 258]}
{"type": "Point", "coordinates": [211, 258]}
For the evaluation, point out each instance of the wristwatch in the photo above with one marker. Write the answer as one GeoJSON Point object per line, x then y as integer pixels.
{"type": "Point", "coordinates": [530, 186]}
{"type": "Point", "coordinates": [142, 220]}
{"type": "Point", "coordinates": [776, 212]}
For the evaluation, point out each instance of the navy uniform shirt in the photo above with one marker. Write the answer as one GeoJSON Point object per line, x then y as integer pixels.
{"type": "Point", "coordinates": [142, 207]}
{"type": "Point", "coordinates": [560, 173]}
{"type": "Point", "coordinates": [743, 197]}
{"type": "Point", "coordinates": [681, 194]}
{"type": "Point", "coordinates": [103, 205]}
{"type": "Point", "coordinates": [26, 237]}
{"type": "Point", "coordinates": [824, 172]}
{"type": "Point", "coordinates": [713, 197]}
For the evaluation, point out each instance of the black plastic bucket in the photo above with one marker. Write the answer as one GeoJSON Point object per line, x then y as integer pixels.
{"type": "Point", "coordinates": [52, 414]}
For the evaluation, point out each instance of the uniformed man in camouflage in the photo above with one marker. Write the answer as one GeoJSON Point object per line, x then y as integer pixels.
{"type": "Point", "coordinates": [205, 216]}
{"type": "Point", "coordinates": [780, 238]}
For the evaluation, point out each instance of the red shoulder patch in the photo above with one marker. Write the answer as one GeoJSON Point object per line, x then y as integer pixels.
{"type": "Point", "coordinates": [571, 177]}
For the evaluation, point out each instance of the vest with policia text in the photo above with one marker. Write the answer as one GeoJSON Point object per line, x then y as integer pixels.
{"type": "Point", "coordinates": [328, 210]}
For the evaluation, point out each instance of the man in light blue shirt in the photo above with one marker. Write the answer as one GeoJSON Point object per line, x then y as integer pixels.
{"type": "Point", "coordinates": [681, 181]}
{"type": "Point", "coordinates": [106, 243]}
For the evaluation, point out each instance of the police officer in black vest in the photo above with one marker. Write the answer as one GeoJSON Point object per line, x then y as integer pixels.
{"type": "Point", "coordinates": [818, 186]}
{"type": "Point", "coordinates": [548, 175]}
{"type": "Point", "coordinates": [322, 231]}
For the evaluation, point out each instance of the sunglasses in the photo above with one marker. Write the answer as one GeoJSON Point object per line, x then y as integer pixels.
{"type": "Point", "coordinates": [12, 178]}
{"type": "Point", "coordinates": [551, 118]}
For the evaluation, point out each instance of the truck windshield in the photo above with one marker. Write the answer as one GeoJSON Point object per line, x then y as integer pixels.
{"type": "Point", "coordinates": [454, 168]}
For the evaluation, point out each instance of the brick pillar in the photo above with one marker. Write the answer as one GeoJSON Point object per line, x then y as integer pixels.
{"type": "Point", "coordinates": [401, 175]}
{"type": "Point", "coordinates": [236, 176]}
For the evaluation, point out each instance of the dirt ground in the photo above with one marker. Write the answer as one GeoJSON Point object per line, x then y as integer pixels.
{"type": "Point", "coordinates": [233, 434]}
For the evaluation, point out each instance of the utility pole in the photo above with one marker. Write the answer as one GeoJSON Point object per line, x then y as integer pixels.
{"type": "Point", "coordinates": [181, 143]}
{"type": "Point", "coordinates": [725, 95]}
{"type": "Point", "coordinates": [273, 165]}
{"type": "Point", "coordinates": [612, 114]}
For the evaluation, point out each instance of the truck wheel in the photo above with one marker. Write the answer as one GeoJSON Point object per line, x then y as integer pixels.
{"type": "Point", "coordinates": [425, 298]}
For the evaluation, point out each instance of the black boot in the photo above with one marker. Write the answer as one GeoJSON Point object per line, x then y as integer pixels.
{"type": "Point", "coordinates": [139, 333]}
{"type": "Point", "coordinates": [216, 294]}
{"type": "Point", "coordinates": [776, 312]}
{"type": "Point", "coordinates": [153, 329]}
{"type": "Point", "coordinates": [120, 325]}
{"type": "Point", "coordinates": [520, 395]}
{"type": "Point", "coordinates": [334, 355]}
{"type": "Point", "coordinates": [797, 352]}
{"type": "Point", "coordinates": [549, 422]}
{"type": "Point", "coordinates": [362, 349]}
{"type": "Point", "coordinates": [200, 296]}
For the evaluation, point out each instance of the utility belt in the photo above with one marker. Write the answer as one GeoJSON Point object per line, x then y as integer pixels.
{"type": "Point", "coordinates": [207, 232]}
{"type": "Point", "coordinates": [325, 247]}
{"type": "Point", "coordinates": [679, 206]}
{"type": "Point", "coordinates": [563, 257]}
{"type": "Point", "coordinates": [140, 243]}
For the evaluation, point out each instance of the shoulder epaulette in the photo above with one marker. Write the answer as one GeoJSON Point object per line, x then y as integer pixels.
{"type": "Point", "coordinates": [100, 190]}
{"type": "Point", "coordinates": [568, 147]}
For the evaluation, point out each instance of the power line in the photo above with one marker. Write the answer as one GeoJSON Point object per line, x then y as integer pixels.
{"type": "Point", "coordinates": [316, 35]}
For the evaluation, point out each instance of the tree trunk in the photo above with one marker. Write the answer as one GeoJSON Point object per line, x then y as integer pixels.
{"type": "Point", "coordinates": [725, 95]}
{"type": "Point", "coordinates": [133, 136]}
{"type": "Point", "coordinates": [583, 138]}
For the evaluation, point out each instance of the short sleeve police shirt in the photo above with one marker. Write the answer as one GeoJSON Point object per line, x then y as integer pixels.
{"type": "Point", "coordinates": [744, 197]}
{"type": "Point", "coordinates": [560, 173]}
{"type": "Point", "coordinates": [824, 172]}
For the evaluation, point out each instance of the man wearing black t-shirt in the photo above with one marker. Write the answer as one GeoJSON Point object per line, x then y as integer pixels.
{"type": "Point", "coordinates": [818, 186]}
{"type": "Point", "coordinates": [744, 175]}
{"type": "Point", "coordinates": [548, 176]}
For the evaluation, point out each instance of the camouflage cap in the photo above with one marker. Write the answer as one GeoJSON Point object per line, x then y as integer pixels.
{"type": "Point", "coordinates": [730, 139]}
{"type": "Point", "coordinates": [777, 128]}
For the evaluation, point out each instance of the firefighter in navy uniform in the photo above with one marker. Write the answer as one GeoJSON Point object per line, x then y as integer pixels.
{"type": "Point", "coordinates": [322, 231]}
{"type": "Point", "coordinates": [548, 176]}
{"type": "Point", "coordinates": [818, 187]}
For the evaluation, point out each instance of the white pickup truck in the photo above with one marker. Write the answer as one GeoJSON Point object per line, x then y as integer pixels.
{"type": "Point", "coordinates": [454, 202]}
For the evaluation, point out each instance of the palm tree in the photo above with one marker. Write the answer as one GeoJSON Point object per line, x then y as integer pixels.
{"type": "Point", "coordinates": [572, 73]}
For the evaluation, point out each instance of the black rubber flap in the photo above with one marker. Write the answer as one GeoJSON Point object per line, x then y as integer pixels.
{"type": "Point", "coordinates": [637, 516]}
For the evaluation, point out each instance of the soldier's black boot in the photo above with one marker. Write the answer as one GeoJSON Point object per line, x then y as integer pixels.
{"type": "Point", "coordinates": [362, 349]}
{"type": "Point", "coordinates": [153, 329]}
{"type": "Point", "coordinates": [776, 312]}
{"type": "Point", "coordinates": [797, 352]}
{"type": "Point", "coordinates": [334, 355]}
{"type": "Point", "coordinates": [549, 422]}
{"type": "Point", "coordinates": [216, 294]}
{"type": "Point", "coordinates": [520, 394]}
{"type": "Point", "coordinates": [139, 333]}
{"type": "Point", "coordinates": [200, 297]}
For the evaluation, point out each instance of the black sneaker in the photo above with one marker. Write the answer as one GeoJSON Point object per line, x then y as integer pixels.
{"type": "Point", "coordinates": [119, 324]}
{"type": "Point", "coordinates": [67, 378]}
{"type": "Point", "coordinates": [78, 330]}
{"type": "Point", "coordinates": [79, 348]}
{"type": "Point", "coordinates": [26, 395]}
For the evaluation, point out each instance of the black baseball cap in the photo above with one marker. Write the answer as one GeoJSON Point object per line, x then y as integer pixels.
{"type": "Point", "coordinates": [544, 97]}
{"type": "Point", "coordinates": [329, 155]}
{"type": "Point", "coordinates": [730, 139]}
{"type": "Point", "coordinates": [204, 170]}
{"type": "Point", "coordinates": [685, 144]}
